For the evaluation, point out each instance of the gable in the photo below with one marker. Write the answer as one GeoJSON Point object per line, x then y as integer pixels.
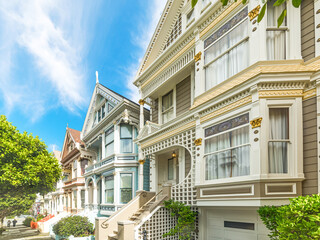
{"type": "Point", "coordinates": [68, 145]}
{"type": "Point", "coordinates": [165, 33]}
{"type": "Point", "coordinates": [103, 101]}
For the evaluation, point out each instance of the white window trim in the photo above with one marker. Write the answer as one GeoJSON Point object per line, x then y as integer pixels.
{"type": "Point", "coordinates": [119, 185]}
{"type": "Point", "coordinates": [173, 102]}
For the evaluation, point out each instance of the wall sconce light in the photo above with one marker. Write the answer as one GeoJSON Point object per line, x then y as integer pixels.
{"type": "Point", "coordinates": [174, 154]}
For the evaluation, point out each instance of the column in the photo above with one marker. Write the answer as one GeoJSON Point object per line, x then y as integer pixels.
{"type": "Point", "coordinates": [116, 188]}
{"type": "Point", "coordinates": [103, 181]}
{"type": "Point", "coordinates": [103, 147]}
{"type": "Point", "coordinates": [116, 138]}
{"type": "Point", "coordinates": [69, 202]}
{"type": "Point", "coordinates": [140, 182]}
{"type": "Point", "coordinates": [95, 196]}
{"type": "Point", "coordinates": [78, 198]}
{"type": "Point", "coordinates": [141, 102]}
{"type": "Point", "coordinates": [61, 203]}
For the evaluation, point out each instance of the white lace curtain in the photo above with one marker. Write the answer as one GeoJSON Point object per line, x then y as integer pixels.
{"type": "Point", "coordinates": [279, 138]}
{"type": "Point", "coordinates": [232, 61]}
{"type": "Point", "coordinates": [232, 162]}
{"type": "Point", "coordinates": [276, 39]}
{"type": "Point", "coordinates": [125, 138]}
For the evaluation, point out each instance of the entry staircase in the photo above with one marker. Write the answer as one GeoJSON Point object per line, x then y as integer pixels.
{"type": "Point", "coordinates": [121, 224]}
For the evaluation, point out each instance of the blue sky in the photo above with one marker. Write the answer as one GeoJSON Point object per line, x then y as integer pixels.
{"type": "Point", "coordinates": [50, 50]}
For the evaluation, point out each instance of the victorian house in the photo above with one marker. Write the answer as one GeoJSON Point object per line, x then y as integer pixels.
{"type": "Point", "coordinates": [74, 159]}
{"type": "Point", "coordinates": [109, 132]}
{"type": "Point", "coordinates": [233, 117]}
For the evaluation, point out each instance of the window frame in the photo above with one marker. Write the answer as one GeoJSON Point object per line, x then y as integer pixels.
{"type": "Point", "coordinates": [132, 186]}
{"type": "Point", "coordinates": [109, 189]}
{"type": "Point", "coordinates": [110, 142]}
{"type": "Point", "coordinates": [131, 138]}
{"type": "Point", "coordinates": [173, 107]}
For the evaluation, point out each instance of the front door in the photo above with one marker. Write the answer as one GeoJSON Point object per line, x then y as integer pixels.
{"type": "Point", "coordinates": [167, 170]}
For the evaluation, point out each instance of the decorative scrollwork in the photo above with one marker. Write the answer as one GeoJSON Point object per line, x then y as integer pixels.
{"type": "Point", "coordinates": [256, 122]}
{"type": "Point", "coordinates": [197, 57]}
{"type": "Point", "coordinates": [198, 142]}
{"type": "Point", "coordinates": [254, 12]}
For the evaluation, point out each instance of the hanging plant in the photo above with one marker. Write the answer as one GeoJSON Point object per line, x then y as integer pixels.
{"type": "Point", "coordinates": [185, 220]}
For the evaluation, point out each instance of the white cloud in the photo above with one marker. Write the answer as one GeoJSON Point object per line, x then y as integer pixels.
{"type": "Point", "coordinates": [53, 147]}
{"type": "Point", "coordinates": [141, 38]}
{"type": "Point", "coordinates": [42, 32]}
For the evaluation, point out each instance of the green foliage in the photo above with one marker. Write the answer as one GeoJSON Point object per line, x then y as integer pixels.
{"type": "Point", "coordinates": [300, 220]}
{"type": "Point", "coordinates": [2, 230]}
{"type": "Point", "coordinates": [295, 3]}
{"type": "Point", "coordinates": [185, 220]}
{"type": "Point", "coordinates": [75, 225]}
{"type": "Point", "coordinates": [26, 222]}
{"type": "Point", "coordinates": [39, 217]}
{"type": "Point", "coordinates": [26, 168]}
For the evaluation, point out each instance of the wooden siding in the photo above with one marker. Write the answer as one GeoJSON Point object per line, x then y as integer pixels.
{"type": "Point", "coordinates": [155, 112]}
{"type": "Point", "coordinates": [187, 162]}
{"type": "Point", "coordinates": [307, 30]}
{"type": "Point", "coordinates": [310, 161]}
{"type": "Point", "coordinates": [183, 96]}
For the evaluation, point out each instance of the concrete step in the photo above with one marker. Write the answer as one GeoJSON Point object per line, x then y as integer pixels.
{"type": "Point", "coordinates": [113, 237]}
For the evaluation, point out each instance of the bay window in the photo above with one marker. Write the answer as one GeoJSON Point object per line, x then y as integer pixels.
{"type": "Point", "coordinates": [167, 107]}
{"type": "Point", "coordinates": [109, 191]}
{"type": "Point", "coordinates": [125, 187]}
{"type": "Point", "coordinates": [278, 140]}
{"type": "Point", "coordinates": [226, 50]}
{"type": "Point", "coordinates": [227, 149]}
{"type": "Point", "coordinates": [109, 141]}
{"type": "Point", "coordinates": [276, 37]}
{"type": "Point", "coordinates": [125, 138]}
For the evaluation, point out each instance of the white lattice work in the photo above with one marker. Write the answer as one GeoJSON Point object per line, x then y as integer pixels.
{"type": "Point", "coordinates": [184, 191]}
{"type": "Point", "coordinates": [160, 223]}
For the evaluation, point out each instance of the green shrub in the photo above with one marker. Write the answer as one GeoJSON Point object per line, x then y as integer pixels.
{"type": "Point", "coordinates": [300, 220]}
{"type": "Point", "coordinates": [75, 225]}
{"type": "Point", "coordinates": [39, 217]}
{"type": "Point", "coordinates": [27, 221]}
{"type": "Point", "coordinates": [185, 219]}
{"type": "Point", "coordinates": [2, 230]}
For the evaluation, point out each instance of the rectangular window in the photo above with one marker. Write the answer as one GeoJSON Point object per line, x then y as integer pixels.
{"type": "Point", "coordinates": [83, 194]}
{"type": "Point", "coordinates": [226, 50]}
{"type": "Point", "coordinates": [103, 112]}
{"type": "Point", "coordinates": [167, 107]}
{"type": "Point", "coordinates": [276, 37]}
{"type": "Point", "coordinates": [125, 138]}
{"type": "Point", "coordinates": [125, 187]}
{"type": "Point", "coordinates": [239, 225]}
{"type": "Point", "coordinates": [99, 115]}
{"type": "Point", "coordinates": [109, 191]}
{"type": "Point", "coordinates": [170, 169]}
{"type": "Point", "coordinates": [278, 140]}
{"type": "Point", "coordinates": [109, 142]}
{"type": "Point", "coordinates": [75, 199]}
{"type": "Point", "coordinates": [227, 149]}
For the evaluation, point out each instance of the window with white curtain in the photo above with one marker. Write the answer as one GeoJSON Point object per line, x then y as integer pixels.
{"type": "Point", "coordinates": [227, 149]}
{"type": "Point", "coordinates": [227, 50]}
{"type": "Point", "coordinates": [109, 141]}
{"type": "Point", "coordinates": [125, 138]}
{"type": "Point", "coordinates": [276, 37]}
{"type": "Point", "coordinates": [278, 140]}
{"type": "Point", "coordinates": [109, 191]}
{"type": "Point", "coordinates": [125, 187]}
{"type": "Point", "coordinates": [167, 107]}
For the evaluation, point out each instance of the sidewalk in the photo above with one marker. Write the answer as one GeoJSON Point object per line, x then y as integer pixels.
{"type": "Point", "coordinates": [23, 233]}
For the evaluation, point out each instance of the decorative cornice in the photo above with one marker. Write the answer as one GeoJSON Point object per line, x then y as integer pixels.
{"type": "Point", "coordinates": [256, 122]}
{"type": "Point", "coordinates": [254, 12]}
{"type": "Point", "coordinates": [280, 93]}
{"type": "Point", "coordinates": [309, 94]}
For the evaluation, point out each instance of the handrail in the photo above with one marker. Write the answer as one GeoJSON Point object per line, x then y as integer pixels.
{"type": "Point", "coordinates": [150, 199]}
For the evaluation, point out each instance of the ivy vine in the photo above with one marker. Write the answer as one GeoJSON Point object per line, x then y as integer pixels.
{"type": "Point", "coordinates": [185, 219]}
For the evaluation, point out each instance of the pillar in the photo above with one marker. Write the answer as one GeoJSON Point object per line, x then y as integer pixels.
{"type": "Point", "coordinates": [95, 195]}
{"type": "Point", "coordinates": [103, 148]}
{"type": "Point", "coordinates": [78, 198]}
{"type": "Point", "coordinates": [141, 102]}
{"type": "Point", "coordinates": [103, 179]}
{"type": "Point", "coordinates": [140, 182]}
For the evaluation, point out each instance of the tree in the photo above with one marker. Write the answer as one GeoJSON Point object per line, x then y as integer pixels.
{"type": "Point", "coordinates": [26, 168]}
{"type": "Point", "coordinates": [277, 3]}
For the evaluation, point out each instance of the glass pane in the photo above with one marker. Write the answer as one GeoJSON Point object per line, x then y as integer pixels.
{"type": "Point", "coordinates": [167, 116]}
{"type": "Point", "coordinates": [99, 115]}
{"type": "Point", "coordinates": [110, 196]}
{"type": "Point", "coordinates": [126, 145]}
{"type": "Point", "coordinates": [126, 180]}
{"type": "Point", "coordinates": [109, 149]}
{"type": "Point", "coordinates": [110, 183]}
{"type": "Point", "coordinates": [109, 136]}
{"type": "Point", "coordinates": [279, 123]}
{"type": "Point", "coordinates": [278, 157]}
{"type": "Point", "coordinates": [276, 45]}
{"type": "Point", "coordinates": [167, 101]}
{"type": "Point", "coordinates": [103, 111]}
{"type": "Point", "coordinates": [170, 169]}
{"type": "Point", "coordinates": [126, 195]}
{"type": "Point", "coordinates": [125, 131]}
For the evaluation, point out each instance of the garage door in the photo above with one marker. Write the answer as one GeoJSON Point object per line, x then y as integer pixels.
{"type": "Point", "coordinates": [234, 225]}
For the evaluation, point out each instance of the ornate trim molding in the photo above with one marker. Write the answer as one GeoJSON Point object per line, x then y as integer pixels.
{"type": "Point", "coordinates": [280, 93]}
{"type": "Point", "coordinates": [254, 12]}
{"type": "Point", "coordinates": [256, 122]}
{"type": "Point", "coordinates": [309, 94]}
{"type": "Point", "coordinates": [198, 142]}
{"type": "Point", "coordinates": [142, 102]}
{"type": "Point", "coordinates": [141, 161]}
{"type": "Point", "coordinates": [197, 57]}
